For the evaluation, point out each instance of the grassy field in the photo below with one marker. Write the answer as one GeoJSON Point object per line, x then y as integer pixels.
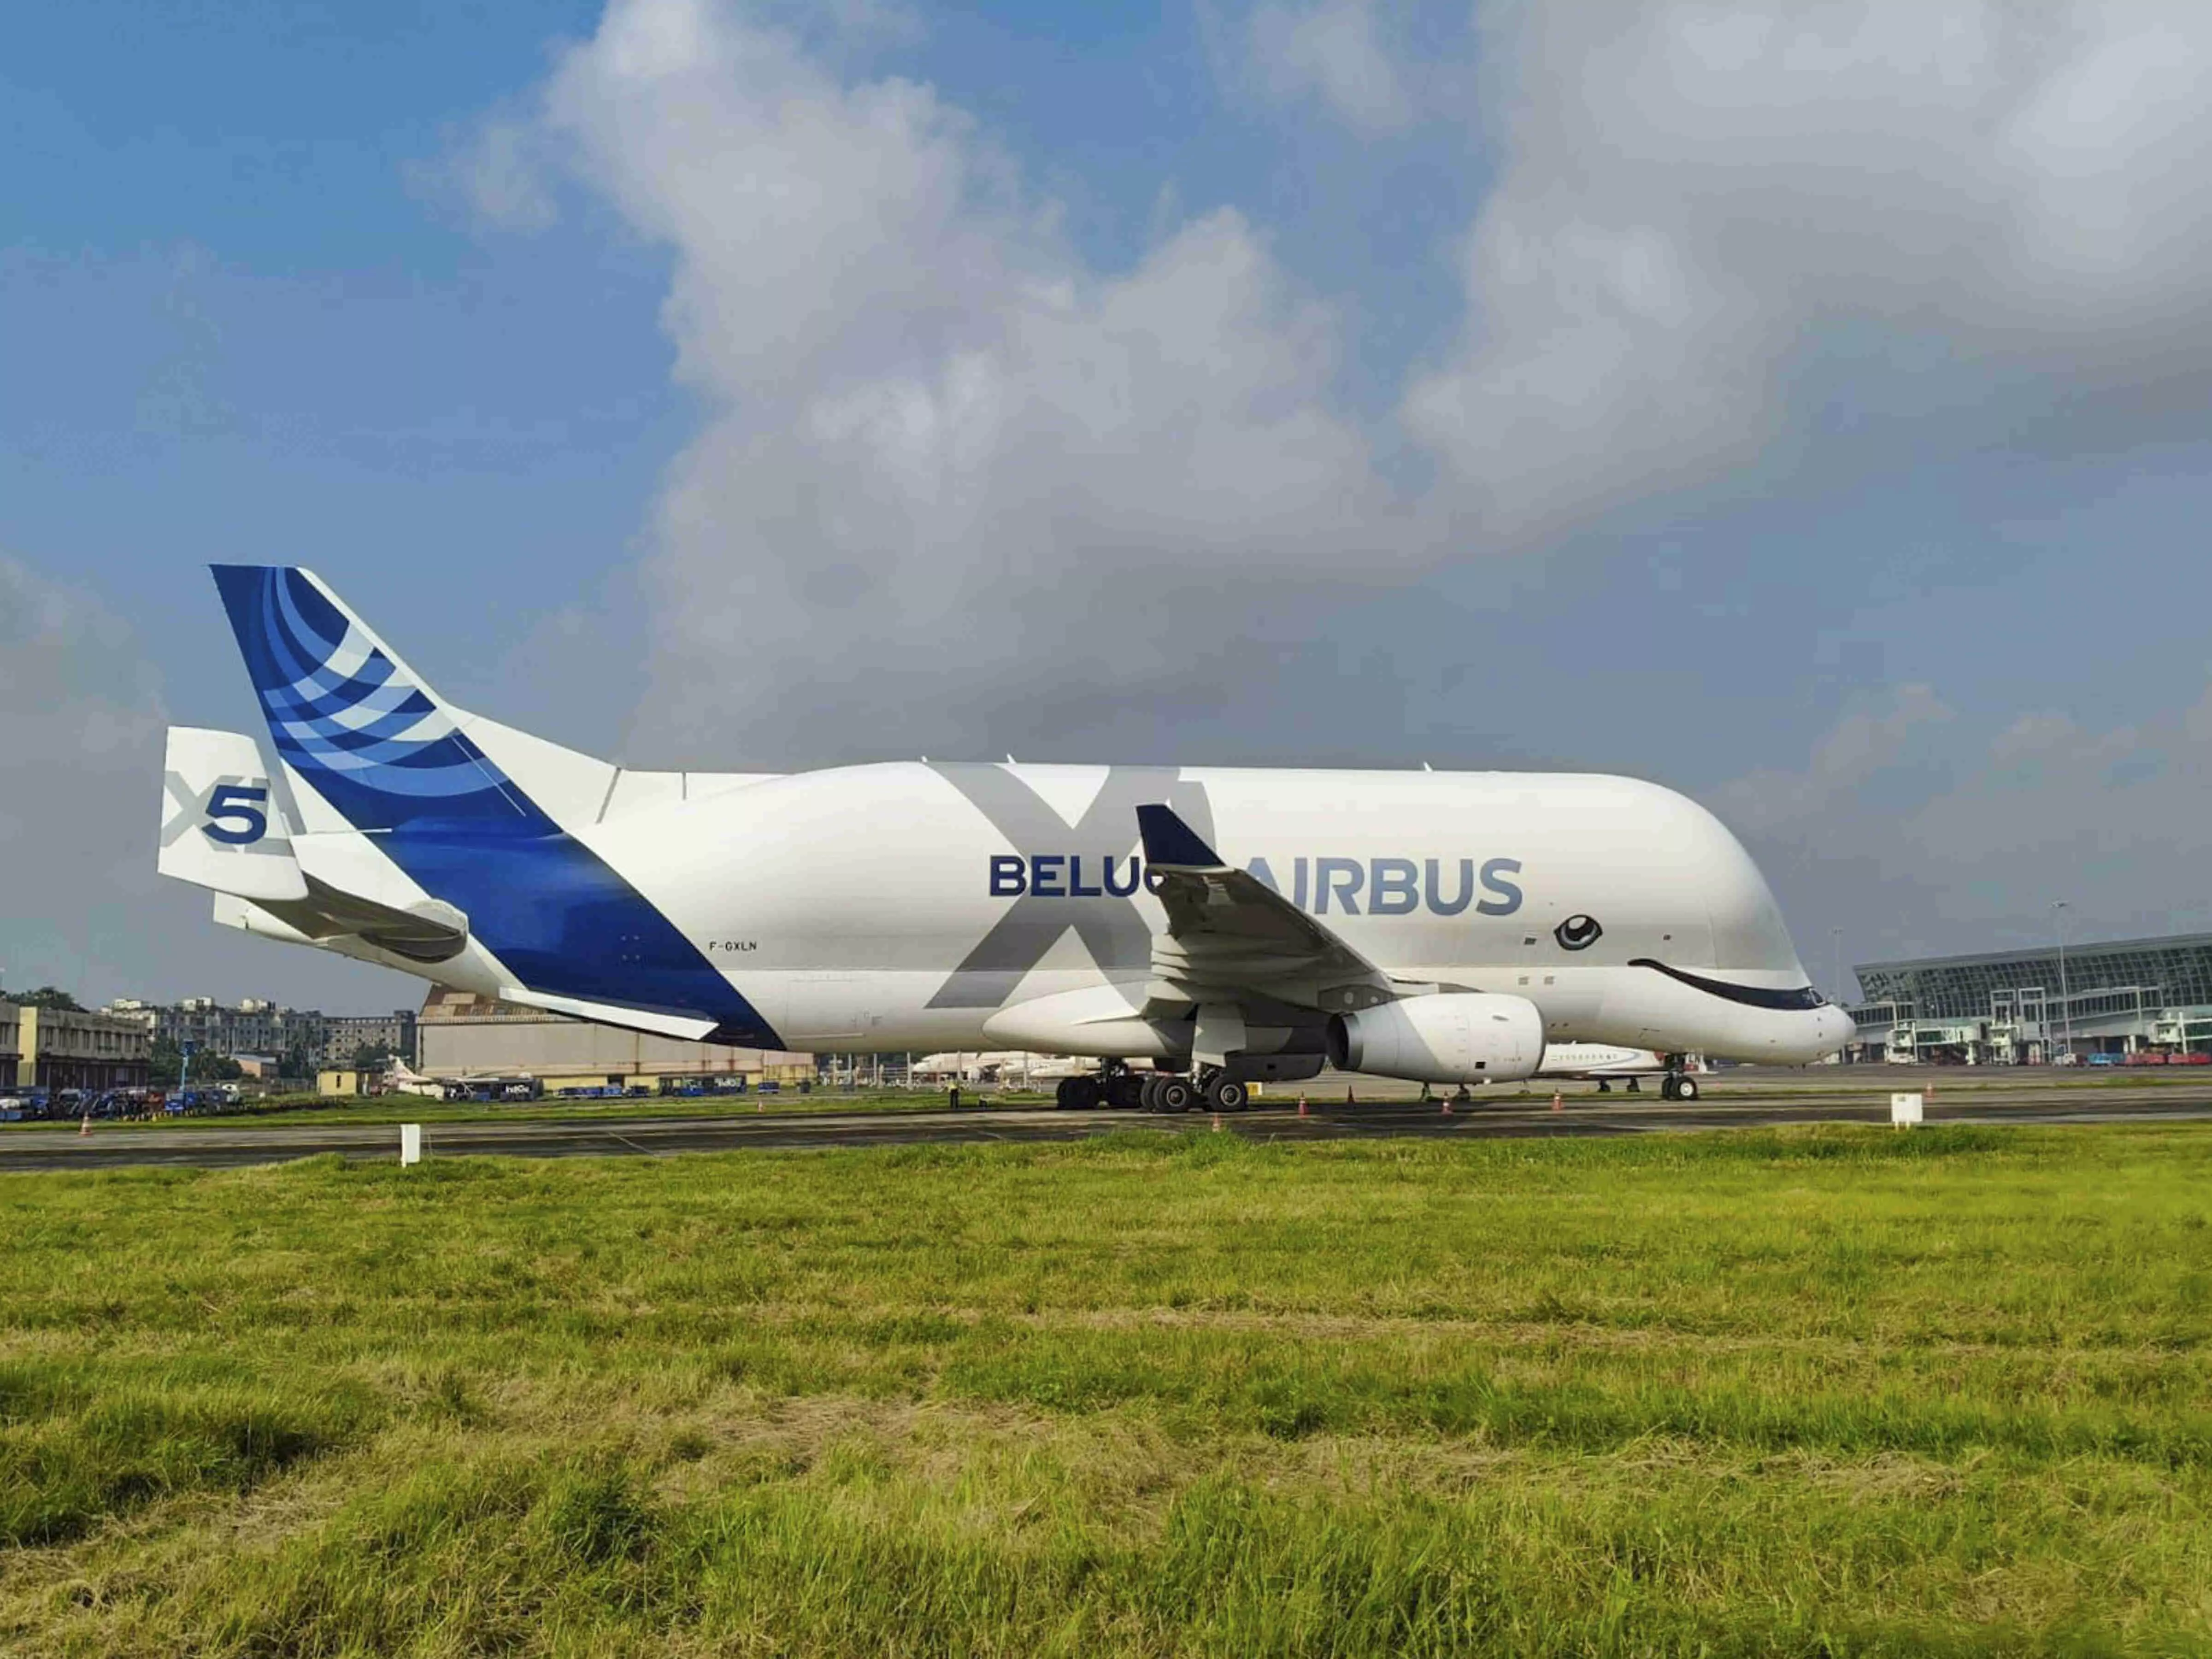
{"type": "Point", "coordinates": [1820, 1392]}
{"type": "Point", "coordinates": [415, 1108]}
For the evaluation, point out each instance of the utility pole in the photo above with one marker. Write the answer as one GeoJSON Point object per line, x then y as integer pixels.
{"type": "Point", "coordinates": [1835, 965]}
{"type": "Point", "coordinates": [2065, 1005]}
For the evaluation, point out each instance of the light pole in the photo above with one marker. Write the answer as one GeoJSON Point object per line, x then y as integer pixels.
{"type": "Point", "coordinates": [2065, 1007]}
{"type": "Point", "coordinates": [1836, 963]}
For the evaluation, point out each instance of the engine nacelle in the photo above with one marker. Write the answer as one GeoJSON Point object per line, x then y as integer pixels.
{"type": "Point", "coordinates": [1451, 1037]}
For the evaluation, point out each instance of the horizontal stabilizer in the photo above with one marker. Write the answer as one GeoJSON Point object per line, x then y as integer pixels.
{"type": "Point", "coordinates": [222, 826]}
{"type": "Point", "coordinates": [225, 826]}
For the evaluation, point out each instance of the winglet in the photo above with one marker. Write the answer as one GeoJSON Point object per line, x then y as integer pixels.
{"type": "Point", "coordinates": [1172, 844]}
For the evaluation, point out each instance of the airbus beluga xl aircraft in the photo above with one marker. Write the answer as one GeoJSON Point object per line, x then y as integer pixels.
{"type": "Point", "coordinates": [1219, 925]}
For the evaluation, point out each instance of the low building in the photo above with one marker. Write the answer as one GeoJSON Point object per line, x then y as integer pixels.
{"type": "Point", "coordinates": [458, 1033]}
{"type": "Point", "coordinates": [71, 1048]}
{"type": "Point", "coordinates": [2114, 998]}
{"type": "Point", "coordinates": [256, 1025]}
{"type": "Point", "coordinates": [345, 1035]}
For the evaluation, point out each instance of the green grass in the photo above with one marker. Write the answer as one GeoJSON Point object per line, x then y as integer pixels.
{"type": "Point", "coordinates": [1818, 1392]}
{"type": "Point", "coordinates": [416, 1108]}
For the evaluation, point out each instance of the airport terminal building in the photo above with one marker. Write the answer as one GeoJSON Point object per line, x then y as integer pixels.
{"type": "Point", "coordinates": [2145, 997]}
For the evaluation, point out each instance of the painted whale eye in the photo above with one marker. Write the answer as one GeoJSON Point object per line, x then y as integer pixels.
{"type": "Point", "coordinates": [1577, 933]}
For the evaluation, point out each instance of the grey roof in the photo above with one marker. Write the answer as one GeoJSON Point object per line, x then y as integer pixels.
{"type": "Point", "coordinates": [2179, 966]}
{"type": "Point", "coordinates": [2084, 948]}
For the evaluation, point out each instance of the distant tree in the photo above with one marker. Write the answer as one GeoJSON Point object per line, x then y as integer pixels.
{"type": "Point", "coordinates": [296, 1063]}
{"type": "Point", "coordinates": [46, 996]}
{"type": "Point", "coordinates": [372, 1056]}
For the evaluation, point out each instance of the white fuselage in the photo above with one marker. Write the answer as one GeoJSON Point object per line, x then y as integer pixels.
{"type": "Point", "coordinates": [907, 905]}
{"type": "Point", "coordinates": [1587, 1061]}
{"type": "Point", "coordinates": [933, 906]}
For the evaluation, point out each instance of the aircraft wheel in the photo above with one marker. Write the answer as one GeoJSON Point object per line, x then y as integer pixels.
{"type": "Point", "coordinates": [1666, 1086]}
{"type": "Point", "coordinates": [1125, 1090]}
{"type": "Point", "coordinates": [1685, 1089]}
{"type": "Point", "coordinates": [1227, 1095]}
{"type": "Point", "coordinates": [1064, 1096]}
{"type": "Point", "coordinates": [1086, 1094]}
{"type": "Point", "coordinates": [1148, 1092]}
{"type": "Point", "coordinates": [1175, 1094]}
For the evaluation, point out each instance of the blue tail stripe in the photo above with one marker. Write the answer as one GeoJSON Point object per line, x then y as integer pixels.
{"type": "Point", "coordinates": [331, 731]}
{"type": "Point", "coordinates": [330, 689]}
{"type": "Point", "coordinates": [558, 916]}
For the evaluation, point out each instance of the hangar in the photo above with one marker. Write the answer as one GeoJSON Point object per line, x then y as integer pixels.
{"type": "Point", "coordinates": [462, 1035]}
{"type": "Point", "coordinates": [2148, 997]}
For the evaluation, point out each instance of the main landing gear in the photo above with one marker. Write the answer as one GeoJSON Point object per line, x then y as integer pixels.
{"type": "Point", "coordinates": [1113, 1085]}
{"type": "Point", "coordinates": [1212, 1090]}
{"type": "Point", "coordinates": [1677, 1085]}
{"type": "Point", "coordinates": [1164, 1092]}
{"type": "Point", "coordinates": [1225, 1093]}
{"type": "Point", "coordinates": [1116, 1085]}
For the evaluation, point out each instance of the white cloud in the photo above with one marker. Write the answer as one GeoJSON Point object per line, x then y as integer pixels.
{"type": "Point", "coordinates": [1696, 203]}
{"type": "Point", "coordinates": [82, 723]}
{"type": "Point", "coordinates": [1916, 828]}
{"type": "Point", "coordinates": [1332, 49]}
{"type": "Point", "coordinates": [1860, 745]}
{"type": "Point", "coordinates": [929, 420]}
{"type": "Point", "coordinates": [937, 440]}
{"type": "Point", "coordinates": [499, 171]}
{"type": "Point", "coordinates": [80, 726]}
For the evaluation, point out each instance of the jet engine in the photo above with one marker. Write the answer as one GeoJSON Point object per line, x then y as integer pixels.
{"type": "Point", "coordinates": [1449, 1037]}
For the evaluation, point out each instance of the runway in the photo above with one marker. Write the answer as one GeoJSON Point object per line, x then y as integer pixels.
{"type": "Point", "coordinates": [1862, 1096]}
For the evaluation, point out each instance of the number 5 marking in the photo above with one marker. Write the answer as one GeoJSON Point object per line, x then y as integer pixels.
{"type": "Point", "coordinates": [243, 807]}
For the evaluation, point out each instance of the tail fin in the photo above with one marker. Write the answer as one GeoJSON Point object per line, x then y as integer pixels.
{"type": "Point", "coordinates": [439, 794]}
{"type": "Point", "coordinates": [354, 722]}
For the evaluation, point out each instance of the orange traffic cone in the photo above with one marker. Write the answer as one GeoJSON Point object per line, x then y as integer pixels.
{"type": "Point", "coordinates": [1447, 1105]}
{"type": "Point", "coordinates": [1347, 1097]}
{"type": "Point", "coordinates": [1301, 1106]}
{"type": "Point", "coordinates": [85, 1127]}
{"type": "Point", "coordinates": [1216, 1123]}
{"type": "Point", "coordinates": [1558, 1105]}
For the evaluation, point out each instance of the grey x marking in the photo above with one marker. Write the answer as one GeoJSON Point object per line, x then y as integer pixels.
{"type": "Point", "coordinates": [1113, 929]}
{"type": "Point", "coordinates": [190, 809]}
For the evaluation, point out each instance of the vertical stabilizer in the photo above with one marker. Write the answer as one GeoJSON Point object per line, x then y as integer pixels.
{"type": "Point", "coordinates": [479, 818]}
{"type": "Point", "coordinates": [354, 720]}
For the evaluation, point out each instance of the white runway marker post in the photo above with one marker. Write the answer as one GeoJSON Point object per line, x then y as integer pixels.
{"type": "Point", "coordinates": [1905, 1110]}
{"type": "Point", "coordinates": [410, 1144]}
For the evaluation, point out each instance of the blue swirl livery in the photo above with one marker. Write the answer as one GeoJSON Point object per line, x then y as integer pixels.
{"type": "Point", "coordinates": [394, 760]}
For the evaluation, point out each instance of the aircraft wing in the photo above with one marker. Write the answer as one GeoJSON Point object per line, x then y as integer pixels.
{"type": "Point", "coordinates": [1234, 945]}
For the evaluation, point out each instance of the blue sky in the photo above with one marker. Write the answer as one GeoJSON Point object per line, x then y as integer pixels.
{"type": "Point", "coordinates": [1804, 410]}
